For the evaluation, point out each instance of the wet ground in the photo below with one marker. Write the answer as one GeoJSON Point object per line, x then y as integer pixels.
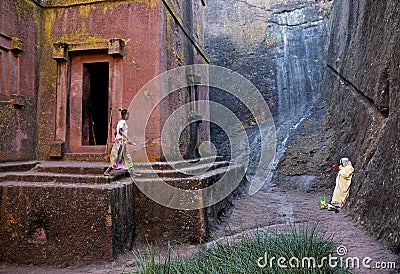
{"type": "Point", "coordinates": [282, 208]}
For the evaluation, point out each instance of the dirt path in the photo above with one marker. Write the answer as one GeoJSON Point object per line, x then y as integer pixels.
{"type": "Point", "coordinates": [279, 208]}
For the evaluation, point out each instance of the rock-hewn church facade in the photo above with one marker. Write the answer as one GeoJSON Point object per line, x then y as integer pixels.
{"type": "Point", "coordinates": [68, 66]}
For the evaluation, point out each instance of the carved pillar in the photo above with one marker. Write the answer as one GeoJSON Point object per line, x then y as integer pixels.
{"type": "Point", "coordinates": [60, 54]}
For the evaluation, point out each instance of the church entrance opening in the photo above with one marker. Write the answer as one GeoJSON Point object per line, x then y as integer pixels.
{"type": "Point", "coordinates": [95, 103]}
{"type": "Point", "coordinates": [90, 102]}
{"type": "Point", "coordinates": [89, 94]}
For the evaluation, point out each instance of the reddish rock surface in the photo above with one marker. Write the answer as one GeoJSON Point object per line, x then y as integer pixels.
{"type": "Point", "coordinates": [362, 89]}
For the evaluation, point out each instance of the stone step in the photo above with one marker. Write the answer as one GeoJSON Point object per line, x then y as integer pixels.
{"type": "Point", "coordinates": [30, 176]}
{"type": "Point", "coordinates": [214, 173]}
{"type": "Point", "coordinates": [85, 157]}
{"type": "Point", "coordinates": [71, 167]}
{"type": "Point", "coordinates": [198, 169]}
{"type": "Point", "coordinates": [159, 169]}
{"type": "Point", "coordinates": [17, 166]}
{"type": "Point", "coordinates": [122, 181]}
{"type": "Point", "coordinates": [175, 164]}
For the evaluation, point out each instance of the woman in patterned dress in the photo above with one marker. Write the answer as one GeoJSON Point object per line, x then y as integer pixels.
{"type": "Point", "coordinates": [119, 156]}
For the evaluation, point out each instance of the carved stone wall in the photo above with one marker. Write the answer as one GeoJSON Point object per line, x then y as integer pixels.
{"type": "Point", "coordinates": [363, 90]}
{"type": "Point", "coordinates": [18, 79]}
{"type": "Point", "coordinates": [41, 46]}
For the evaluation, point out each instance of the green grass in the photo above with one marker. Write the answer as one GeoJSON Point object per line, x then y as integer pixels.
{"type": "Point", "coordinates": [242, 257]}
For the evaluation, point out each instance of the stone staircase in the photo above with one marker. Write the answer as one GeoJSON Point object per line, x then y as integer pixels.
{"type": "Point", "coordinates": [162, 224]}
{"type": "Point", "coordinates": [60, 171]}
{"type": "Point", "coordinates": [64, 212]}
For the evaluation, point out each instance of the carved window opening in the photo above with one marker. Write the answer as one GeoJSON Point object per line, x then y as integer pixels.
{"type": "Point", "coordinates": [10, 54]}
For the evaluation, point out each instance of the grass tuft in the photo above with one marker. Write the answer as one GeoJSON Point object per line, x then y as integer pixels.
{"type": "Point", "coordinates": [304, 251]}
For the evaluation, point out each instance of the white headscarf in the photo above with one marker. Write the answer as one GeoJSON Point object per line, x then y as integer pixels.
{"type": "Point", "coordinates": [344, 161]}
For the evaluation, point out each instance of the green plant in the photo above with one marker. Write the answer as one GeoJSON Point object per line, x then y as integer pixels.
{"type": "Point", "coordinates": [256, 253]}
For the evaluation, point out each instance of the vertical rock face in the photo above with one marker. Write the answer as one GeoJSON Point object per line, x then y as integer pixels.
{"type": "Point", "coordinates": [299, 57]}
{"type": "Point", "coordinates": [363, 88]}
{"type": "Point", "coordinates": [278, 45]}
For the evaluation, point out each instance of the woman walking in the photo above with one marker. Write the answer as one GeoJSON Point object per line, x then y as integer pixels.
{"type": "Point", "coordinates": [119, 156]}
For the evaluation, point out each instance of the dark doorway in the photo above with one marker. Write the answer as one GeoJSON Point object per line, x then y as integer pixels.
{"type": "Point", "coordinates": [95, 104]}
